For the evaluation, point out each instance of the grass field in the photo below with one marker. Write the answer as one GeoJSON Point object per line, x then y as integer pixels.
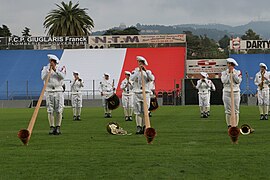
{"type": "Point", "coordinates": [186, 147]}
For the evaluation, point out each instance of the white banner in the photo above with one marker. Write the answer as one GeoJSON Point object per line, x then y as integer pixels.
{"type": "Point", "coordinates": [137, 39]}
{"type": "Point", "coordinates": [206, 65]}
{"type": "Point", "coordinates": [239, 44]}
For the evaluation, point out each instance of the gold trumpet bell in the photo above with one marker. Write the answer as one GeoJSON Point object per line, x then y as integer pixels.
{"type": "Point", "coordinates": [246, 129]}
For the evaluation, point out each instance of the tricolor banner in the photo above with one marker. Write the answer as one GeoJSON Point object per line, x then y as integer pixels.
{"type": "Point", "coordinates": [167, 64]}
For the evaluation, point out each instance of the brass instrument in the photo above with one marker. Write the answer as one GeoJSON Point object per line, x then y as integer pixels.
{"type": "Point", "coordinates": [246, 129]}
{"type": "Point", "coordinates": [262, 80]}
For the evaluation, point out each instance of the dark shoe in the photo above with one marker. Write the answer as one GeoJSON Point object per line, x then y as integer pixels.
{"type": "Point", "coordinates": [105, 115]}
{"type": "Point", "coordinates": [262, 117]}
{"type": "Point", "coordinates": [139, 129]}
{"type": "Point", "coordinates": [208, 113]}
{"type": "Point", "coordinates": [57, 130]}
{"type": "Point", "coordinates": [109, 115]}
{"type": "Point", "coordinates": [205, 115]}
{"type": "Point", "coordinates": [78, 118]}
{"type": "Point", "coordinates": [130, 118]}
{"type": "Point", "coordinates": [74, 118]}
{"type": "Point", "coordinates": [201, 115]}
{"type": "Point", "coordinates": [266, 117]}
{"type": "Point", "coordinates": [126, 118]}
{"type": "Point", "coordinates": [52, 129]}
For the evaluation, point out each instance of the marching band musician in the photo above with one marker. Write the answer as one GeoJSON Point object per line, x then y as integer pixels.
{"type": "Point", "coordinates": [138, 96]}
{"type": "Point", "coordinates": [76, 95]}
{"type": "Point", "coordinates": [203, 85]}
{"type": "Point", "coordinates": [106, 90]}
{"type": "Point", "coordinates": [127, 96]}
{"type": "Point", "coordinates": [237, 79]}
{"type": "Point", "coordinates": [262, 81]}
{"type": "Point", "coordinates": [54, 93]}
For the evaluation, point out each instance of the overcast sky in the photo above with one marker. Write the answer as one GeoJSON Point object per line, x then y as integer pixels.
{"type": "Point", "coordinates": [17, 14]}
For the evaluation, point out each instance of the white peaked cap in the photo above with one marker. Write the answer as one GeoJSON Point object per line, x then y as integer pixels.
{"type": "Point", "coordinates": [264, 65]}
{"type": "Point", "coordinates": [106, 74]}
{"type": "Point", "coordinates": [204, 74]}
{"type": "Point", "coordinates": [140, 58]}
{"type": "Point", "coordinates": [231, 60]}
{"type": "Point", "coordinates": [127, 72]}
{"type": "Point", "coordinates": [53, 57]}
{"type": "Point", "coordinates": [76, 72]}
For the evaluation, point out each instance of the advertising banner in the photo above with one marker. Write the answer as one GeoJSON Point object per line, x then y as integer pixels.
{"type": "Point", "coordinates": [205, 65]}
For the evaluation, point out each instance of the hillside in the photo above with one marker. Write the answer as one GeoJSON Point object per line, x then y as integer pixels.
{"type": "Point", "coordinates": [213, 31]}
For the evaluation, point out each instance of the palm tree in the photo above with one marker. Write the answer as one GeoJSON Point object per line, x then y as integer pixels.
{"type": "Point", "coordinates": [68, 20]}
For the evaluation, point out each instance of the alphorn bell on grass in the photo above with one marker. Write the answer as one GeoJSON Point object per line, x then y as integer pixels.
{"type": "Point", "coordinates": [25, 134]}
{"type": "Point", "coordinates": [233, 131]}
{"type": "Point", "coordinates": [149, 133]}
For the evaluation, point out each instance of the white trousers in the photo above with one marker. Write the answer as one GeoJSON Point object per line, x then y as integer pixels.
{"type": "Point", "coordinates": [54, 102]}
{"type": "Point", "coordinates": [138, 103]}
{"type": "Point", "coordinates": [76, 100]}
{"type": "Point", "coordinates": [227, 102]}
{"type": "Point", "coordinates": [204, 100]}
{"type": "Point", "coordinates": [263, 97]}
{"type": "Point", "coordinates": [127, 101]}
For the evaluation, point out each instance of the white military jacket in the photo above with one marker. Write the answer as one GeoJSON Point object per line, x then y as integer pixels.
{"type": "Point", "coordinates": [237, 79]}
{"type": "Point", "coordinates": [76, 86]}
{"type": "Point", "coordinates": [203, 86]}
{"type": "Point", "coordinates": [126, 87]}
{"type": "Point", "coordinates": [106, 88]}
{"type": "Point", "coordinates": [137, 79]}
{"type": "Point", "coordinates": [56, 79]}
{"type": "Point", "coordinates": [258, 80]}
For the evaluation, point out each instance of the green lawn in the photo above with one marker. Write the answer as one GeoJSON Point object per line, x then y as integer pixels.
{"type": "Point", "coordinates": [186, 147]}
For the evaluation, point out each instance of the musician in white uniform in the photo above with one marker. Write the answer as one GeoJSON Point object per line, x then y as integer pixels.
{"type": "Point", "coordinates": [138, 96]}
{"type": "Point", "coordinates": [76, 95]}
{"type": "Point", "coordinates": [127, 96]}
{"type": "Point", "coordinates": [262, 81]}
{"type": "Point", "coordinates": [237, 79]}
{"type": "Point", "coordinates": [203, 85]}
{"type": "Point", "coordinates": [106, 89]}
{"type": "Point", "coordinates": [54, 93]}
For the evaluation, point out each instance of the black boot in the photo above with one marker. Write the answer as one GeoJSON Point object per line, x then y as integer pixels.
{"type": "Point", "coordinates": [139, 129]}
{"type": "Point", "coordinates": [262, 117]}
{"type": "Point", "coordinates": [266, 117]}
{"type": "Point", "coordinates": [52, 129]}
{"type": "Point", "coordinates": [57, 130]}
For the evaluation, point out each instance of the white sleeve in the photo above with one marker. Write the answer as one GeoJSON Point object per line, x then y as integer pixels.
{"type": "Point", "coordinates": [122, 86]}
{"type": "Point", "coordinates": [198, 84]}
{"type": "Point", "coordinates": [44, 73]}
{"type": "Point", "coordinates": [225, 77]}
{"type": "Point", "coordinates": [100, 88]}
{"type": "Point", "coordinates": [256, 80]}
{"type": "Point", "coordinates": [150, 76]}
{"type": "Point", "coordinates": [213, 87]}
{"type": "Point", "coordinates": [237, 77]}
{"type": "Point", "coordinates": [61, 72]}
